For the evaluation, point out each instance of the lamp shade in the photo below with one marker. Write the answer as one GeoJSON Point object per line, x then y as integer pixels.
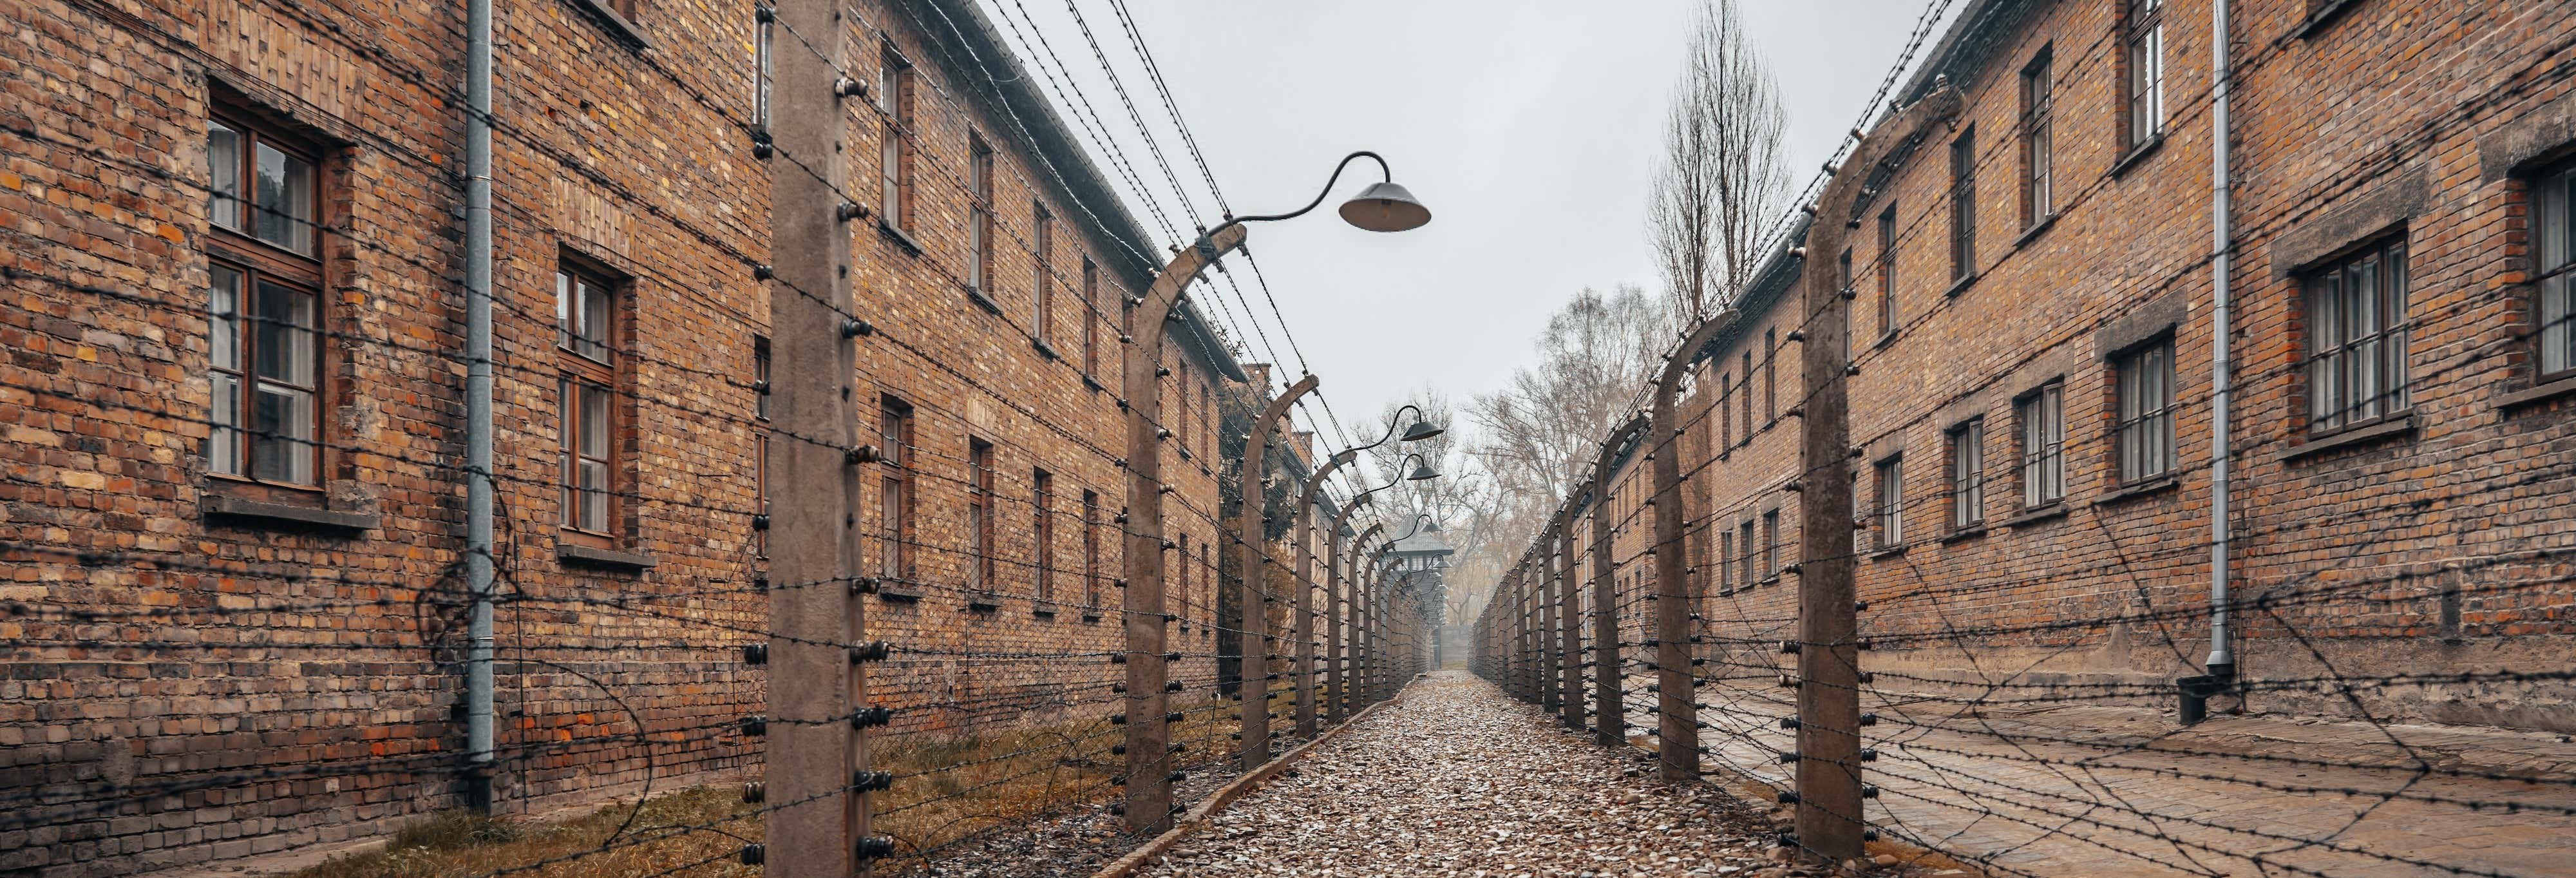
{"type": "Point", "coordinates": [1385, 207]}
{"type": "Point", "coordinates": [1422, 471]}
{"type": "Point", "coordinates": [1421, 430]}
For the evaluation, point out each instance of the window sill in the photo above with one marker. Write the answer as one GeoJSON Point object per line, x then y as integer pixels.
{"type": "Point", "coordinates": [574, 553]}
{"type": "Point", "coordinates": [2398, 426]}
{"type": "Point", "coordinates": [2137, 155]}
{"type": "Point", "coordinates": [1773, 579]}
{"type": "Point", "coordinates": [1889, 551]}
{"type": "Point", "coordinates": [983, 301]}
{"type": "Point", "coordinates": [1960, 286]}
{"type": "Point", "coordinates": [888, 229]}
{"type": "Point", "coordinates": [2032, 234]}
{"type": "Point", "coordinates": [616, 25]}
{"type": "Point", "coordinates": [2538, 394]}
{"type": "Point", "coordinates": [1090, 617]}
{"type": "Point", "coordinates": [288, 514]}
{"type": "Point", "coordinates": [2152, 486]}
{"type": "Point", "coordinates": [2050, 512]}
{"type": "Point", "coordinates": [1044, 613]}
{"type": "Point", "coordinates": [2317, 20]}
{"type": "Point", "coordinates": [1046, 350]}
{"type": "Point", "coordinates": [1884, 339]}
{"type": "Point", "coordinates": [984, 603]}
{"type": "Point", "coordinates": [1092, 384]}
{"type": "Point", "coordinates": [1966, 533]}
{"type": "Point", "coordinates": [892, 594]}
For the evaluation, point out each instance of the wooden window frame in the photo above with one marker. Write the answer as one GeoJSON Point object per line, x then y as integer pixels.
{"type": "Point", "coordinates": [1725, 410]}
{"type": "Point", "coordinates": [2139, 374]}
{"type": "Point", "coordinates": [1726, 571]}
{"type": "Point", "coordinates": [1745, 553]}
{"type": "Point", "coordinates": [580, 376]}
{"type": "Point", "coordinates": [1042, 531]}
{"type": "Point", "coordinates": [1887, 509]}
{"type": "Point", "coordinates": [1771, 374]}
{"type": "Point", "coordinates": [1963, 204]}
{"type": "Point", "coordinates": [2038, 139]}
{"type": "Point", "coordinates": [2553, 250]}
{"type": "Point", "coordinates": [2040, 428]}
{"type": "Point", "coordinates": [1770, 543]}
{"type": "Point", "coordinates": [1091, 549]}
{"type": "Point", "coordinates": [896, 499]}
{"type": "Point", "coordinates": [979, 219]}
{"type": "Point", "coordinates": [980, 517]}
{"type": "Point", "coordinates": [1887, 272]}
{"type": "Point", "coordinates": [2142, 72]}
{"type": "Point", "coordinates": [1042, 283]}
{"type": "Point", "coordinates": [2339, 354]}
{"type": "Point", "coordinates": [1090, 318]}
{"type": "Point", "coordinates": [1967, 474]}
{"type": "Point", "coordinates": [1749, 423]}
{"type": "Point", "coordinates": [895, 84]}
{"type": "Point", "coordinates": [257, 262]}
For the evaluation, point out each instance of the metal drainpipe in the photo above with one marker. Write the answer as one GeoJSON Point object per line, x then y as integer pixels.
{"type": "Point", "coordinates": [2220, 668]}
{"type": "Point", "coordinates": [478, 402]}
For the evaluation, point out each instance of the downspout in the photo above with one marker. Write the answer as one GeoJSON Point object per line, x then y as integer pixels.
{"type": "Point", "coordinates": [2220, 667]}
{"type": "Point", "coordinates": [478, 403]}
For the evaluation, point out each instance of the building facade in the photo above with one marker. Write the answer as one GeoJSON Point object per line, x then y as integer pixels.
{"type": "Point", "coordinates": [2030, 293]}
{"type": "Point", "coordinates": [233, 520]}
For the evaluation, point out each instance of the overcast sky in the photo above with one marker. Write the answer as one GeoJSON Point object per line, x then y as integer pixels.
{"type": "Point", "coordinates": [1529, 128]}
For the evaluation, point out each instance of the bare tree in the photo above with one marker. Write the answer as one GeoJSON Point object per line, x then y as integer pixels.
{"type": "Point", "coordinates": [1722, 173]}
{"type": "Point", "coordinates": [1535, 437]}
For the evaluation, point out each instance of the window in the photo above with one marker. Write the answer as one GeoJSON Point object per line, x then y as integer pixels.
{"type": "Point", "coordinates": [1043, 528]}
{"type": "Point", "coordinates": [585, 336]}
{"type": "Point", "coordinates": [2146, 430]}
{"type": "Point", "coordinates": [1771, 543]}
{"type": "Point", "coordinates": [1090, 317]}
{"type": "Point", "coordinates": [979, 215]}
{"type": "Point", "coordinates": [1044, 279]}
{"type": "Point", "coordinates": [1968, 474]}
{"type": "Point", "coordinates": [760, 438]}
{"type": "Point", "coordinates": [1744, 541]}
{"type": "Point", "coordinates": [2042, 418]}
{"type": "Point", "coordinates": [764, 70]}
{"type": "Point", "coordinates": [1771, 374]}
{"type": "Point", "coordinates": [2555, 194]}
{"type": "Point", "coordinates": [1963, 204]}
{"type": "Point", "coordinates": [2356, 328]}
{"type": "Point", "coordinates": [1887, 272]}
{"type": "Point", "coordinates": [894, 495]}
{"type": "Point", "coordinates": [1091, 548]}
{"type": "Point", "coordinates": [1843, 278]}
{"type": "Point", "coordinates": [979, 514]}
{"type": "Point", "coordinates": [1726, 572]}
{"type": "Point", "coordinates": [264, 305]}
{"type": "Point", "coordinates": [1184, 597]}
{"type": "Point", "coordinates": [1748, 397]}
{"type": "Point", "coordinates": [1207, 424]}
{"type": "Point", "coordinates": [1725, 410]}
{"type": "Point", "coordinates": [894, 159]}
{"type": "Point", "coordinates": [2038, 149]}
{"type": "Point", "coordinates": [1890, 507]}
{"type": "Point", "coordinates": [2143, 52]}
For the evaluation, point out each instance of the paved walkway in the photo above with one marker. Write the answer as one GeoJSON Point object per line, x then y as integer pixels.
{"type": "Point", "coordinates": [1458, 780]}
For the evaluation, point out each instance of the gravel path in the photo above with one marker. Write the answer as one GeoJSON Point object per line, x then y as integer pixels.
{"type": "Point", "coordinates": [1458, 780]}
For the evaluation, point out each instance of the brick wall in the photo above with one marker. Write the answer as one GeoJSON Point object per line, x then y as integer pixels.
{"type": "Point", "coordinates": [289, 672]}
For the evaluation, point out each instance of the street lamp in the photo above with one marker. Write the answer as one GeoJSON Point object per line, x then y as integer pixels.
{"type": "Point", "coordinates": [1383, 207]}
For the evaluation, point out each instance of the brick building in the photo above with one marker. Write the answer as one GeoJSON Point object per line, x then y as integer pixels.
{"type": "Point", "coordinates": [233, 513]}
{"type": "Point", "coordinates": [2030, 299]}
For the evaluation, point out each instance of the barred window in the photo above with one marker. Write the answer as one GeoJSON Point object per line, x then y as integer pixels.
{"type": "Point", "coordinates": [2356, 329]}
{"type": "Point", "coordinates": [2145, 434]}
{"type": "Point", "coordinates": [2042, 420]}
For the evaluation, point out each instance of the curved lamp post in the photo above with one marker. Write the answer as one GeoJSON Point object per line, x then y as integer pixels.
{"type": "Point", "coordinates": [1252, 629]}
{"type": "Point", "coordinates": [1382, 207]}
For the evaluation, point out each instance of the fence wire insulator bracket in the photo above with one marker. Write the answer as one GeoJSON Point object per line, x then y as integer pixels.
{"type": "Point", "coordinates": [754, 724]}
{"type": "Point", "coordinates": [875, 847]}
{"type": "Point", "coordinates": [755, 654]}
{"type": "Point", "coordinates": [871, 781]}
{"type": "Point", "coordinates": [755, 792]}
{"type": "Point", "coordinates": [1790, 722]}
{"type": "Point", "coordinates": [872, 651]}
{"type": "Point", "coordinates": [871, 717]}
{"type": "Point", "coordinates": [753, 854]}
